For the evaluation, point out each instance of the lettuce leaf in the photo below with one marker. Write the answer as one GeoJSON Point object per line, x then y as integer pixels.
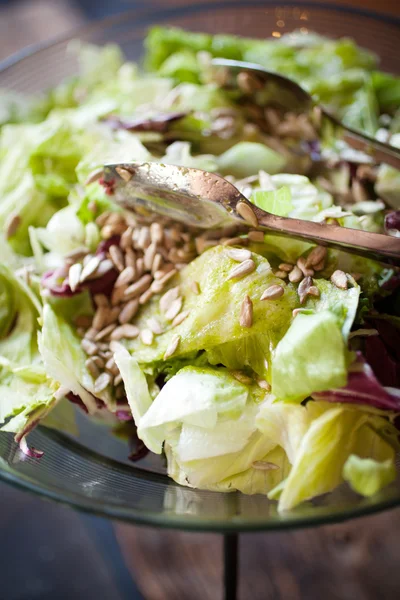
{"type": "Point", "coordinates": [367, 476]}
{"type": "Point", "coordinates": [304, 362]}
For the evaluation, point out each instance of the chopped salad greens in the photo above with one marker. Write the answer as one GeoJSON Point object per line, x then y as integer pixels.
{"type": "Point", "coordinates": [253, 362]}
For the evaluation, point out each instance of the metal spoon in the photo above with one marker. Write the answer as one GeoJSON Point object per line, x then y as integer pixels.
{"type": "Point", "coordinates": [206, 200]}
{"type": "Point", "coordinates": [271, 89]}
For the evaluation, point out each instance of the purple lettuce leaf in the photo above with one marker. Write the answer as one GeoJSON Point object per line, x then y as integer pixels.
{"type": "Point", "coordinates": [362, 388]}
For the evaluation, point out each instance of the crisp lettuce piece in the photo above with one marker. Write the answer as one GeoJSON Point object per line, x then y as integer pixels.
{"type": "Point", "coordinates": [193, 398]}
{"type": "Point", "coordinates": [64, 232]}
{"type": "Point", "coordinates": [341, 303]}
{"type": "Point", "coordinates": [278, 202]}
{"type": "Point", "coordinates": [136, 386]}
{"type": "Point", "coordinates": [286, 424]}
{"type": "Point", "coordinates": [303, 361]}
{"type": "Point", "coordinates": [26, 392]}
{"type": "Point", "coordinates": [367, 476]}
{"type": "Point", "coordinates": [214, 314]}
{"type": "Point", "coordinates": [179, 153]}
{"type": "Point", "coordinates": [248, 158]}
{"type": "Point", "coordinates": [122, 146]}
{"type": "Point", "coordinates": [64, 359]}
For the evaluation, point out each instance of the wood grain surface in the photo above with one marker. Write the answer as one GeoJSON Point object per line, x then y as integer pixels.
{"type": "Point", "coordinates": [358, 560]}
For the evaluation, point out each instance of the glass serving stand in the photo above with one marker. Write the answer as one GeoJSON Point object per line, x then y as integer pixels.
{"type": "Point", "coordinates": [91, 471]}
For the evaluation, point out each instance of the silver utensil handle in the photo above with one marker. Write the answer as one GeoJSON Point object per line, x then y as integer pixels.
{"type": "Point", "coordinates": [383, 248]}
{"type": "Point", "coordinates": [379, 152]}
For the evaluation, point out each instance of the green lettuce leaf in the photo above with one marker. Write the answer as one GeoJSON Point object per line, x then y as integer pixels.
{"type": "Point", "coordinates": [367, 476]}
{"type": "Point", "coordinates": [304, 362]}
{"type": "Point", "coordinates": [278, 202]}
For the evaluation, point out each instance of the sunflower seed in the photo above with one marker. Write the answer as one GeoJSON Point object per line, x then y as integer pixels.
{"type": "Point", "coordinates": [242, 377]}
{"type": "Point", "coordinates": [316, 255]}
{"type": "Point", "coordinates": [236, 241]}
{"type": "Point", "coordinates": [147, 337]}
{"type": "Point", "coordinates": [111, 367]}
{"type": "Point", "coordinates": [92, 368]}
{"type": "Point", "coordinates": [158, 286]}
{"type": "Point", "coordinates": [264, 385]}
{"type": "Point", "coordinates": [74, 275]}
{"type": "Point", "coordinates": [130, 258]}
{"type": "Point", "coordinates": [126, 239]}
{"type": "Point", "coordinates": [124, 173]}
{"type": "Point", "coordinates": [89, 347]}
{"type": "Point", "coordinates": [98, 361]}
{"type": "Point", "coordinates": [125, 277]}
{"type": "Point", "coordinates": [156, 233]}
{"type": "Point", "coordinates": [100, 300]}
{"type": "Point", "coordinates": [161, 272]}
{"type": "Point", "coordinates": [304, 287]}
{"type": "Point", "coordinates": [301, 263]}
{"type": "Point", "coordinates": [104, 332]}
{"type": "Point", "coordinates": [167, 299]}
{"type": "Point", "coordinates": [339, 279]}
{"type": "Point", "coordinates": [286, 267]}
{"type": "Point", "coordinates": [104, 267]}
{"type": "Point", "coordinates": [144, 238]}
{"type": "Point", "coordinates": [118, 294]}
{"type": "Point", "coordinates": [149, 256]}
{"type": "Point", "coordinates": [139, 286]}
{"type": "Point", "coordinates": [246, 312]}
{"type": "Point", "coordinates": [101, 383]}
{"type": "Point", "coordinates": [295, 275]}
{"type": "Point", "coordinates": [246, 212]}
{"type": "Point", "coordinates": [139, 267]}
{"type": "Point", "coordinates": [155, 326]}
{"type": "Point", "coordinates": [195, 287]}
{"type": "Point", "coordinates": [125, 331]}
{"type": "Point", "coordinates": [157, 262]}
{"type": "Point", "coordinates": [174, 309]}
{"type": "Point", "coordinates": [117, 380]}
{"type": "Point", "coordinates": [256, 236]}
{"type": "Point", "coordinates": [145, 297]}
{"type": "Point", "coordinates": [239, 254]}
{"type": "Point", "coordinates": [262, 465]}
{"type": "Point", "coordinates": [100, 317]}
{"type": "Point", "coordinates": [319, 266]}
{"type": "Point", "coordinates": [313, 291]}
{"type": "Point", "coordinates": [242, 269]}
{"type": "Point", "coordinates": [91, 333]}
{"type": "Point", "coordinates": [281, 274]}
{"type": "Point", "coordinates": [273, 292]}
{"type": "Point", "coordinates": [117, 257]}
{"type": "Point", "coordinates": [90, 267]}
{"type": "Point", "coordinates": [173, 346]}
{"type": "Point", "coordinates": [12, 225]}
{"type": "Point", "coordinates": [129, 311]}
{"type": "Point", "coordinates": [180, 318]}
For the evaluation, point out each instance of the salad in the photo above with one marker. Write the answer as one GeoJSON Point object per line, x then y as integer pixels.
{"type": "Point", "coordinates": [253, 362]}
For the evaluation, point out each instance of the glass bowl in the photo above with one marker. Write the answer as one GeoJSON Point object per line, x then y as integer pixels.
{"type": "Point", "coordinates": [91, 471]}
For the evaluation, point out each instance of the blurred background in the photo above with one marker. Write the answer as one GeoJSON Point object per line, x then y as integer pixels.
{"type": "Point", "coordinates": [51, 552]}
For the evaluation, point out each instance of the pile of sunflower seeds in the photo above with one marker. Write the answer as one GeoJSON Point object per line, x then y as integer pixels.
{"type": "Point", "coordinates": [147, 257]}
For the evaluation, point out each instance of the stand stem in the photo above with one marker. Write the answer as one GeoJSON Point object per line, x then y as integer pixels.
{"type": "Point", "coordinates": [231, 542]}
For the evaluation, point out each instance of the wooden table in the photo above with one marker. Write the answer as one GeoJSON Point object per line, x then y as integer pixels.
{"type": "Point", "coordinates": [358, 560]}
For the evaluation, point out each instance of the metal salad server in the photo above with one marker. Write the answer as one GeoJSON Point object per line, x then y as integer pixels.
{"type": "Point", "coordinates": [281, 92]}
{"type": "Point", "coordinates": [206, 201]}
